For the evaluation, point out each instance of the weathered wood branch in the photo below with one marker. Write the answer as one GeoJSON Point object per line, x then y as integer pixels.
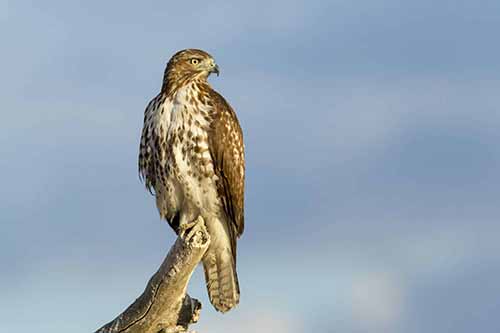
{"type": "Point", "coordinates": [164, 305]}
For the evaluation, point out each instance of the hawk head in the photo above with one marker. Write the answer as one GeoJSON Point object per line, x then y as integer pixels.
{"type": "Point", "coordinates": [192, 64]}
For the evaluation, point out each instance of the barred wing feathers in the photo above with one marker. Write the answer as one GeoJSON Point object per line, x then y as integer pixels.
{"type": "Point", "coordinates": [228, 155]}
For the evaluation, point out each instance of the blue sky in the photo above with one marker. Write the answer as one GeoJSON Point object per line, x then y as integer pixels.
{"type": "Point", "coordinates": [372, 132]}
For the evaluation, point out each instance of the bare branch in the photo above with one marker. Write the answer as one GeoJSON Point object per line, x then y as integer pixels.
{"type": "Point", "coordinates": [164, 305]}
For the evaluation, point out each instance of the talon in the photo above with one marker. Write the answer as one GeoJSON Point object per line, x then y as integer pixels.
{"type": "Point", "coordinates": [185, 229]}
{"type": "Point", "coordinates": [189, 229]}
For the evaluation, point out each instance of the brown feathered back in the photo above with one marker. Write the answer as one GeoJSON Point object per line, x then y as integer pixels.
{"type": "Point", "coordinates": [228, 153]}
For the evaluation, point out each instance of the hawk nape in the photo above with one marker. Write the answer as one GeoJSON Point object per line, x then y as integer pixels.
{"type": "Point", "coordinates": [192, 157]}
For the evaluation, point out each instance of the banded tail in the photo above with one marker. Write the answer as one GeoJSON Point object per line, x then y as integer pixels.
{"type": "Point", "coordinates": [220, 276]}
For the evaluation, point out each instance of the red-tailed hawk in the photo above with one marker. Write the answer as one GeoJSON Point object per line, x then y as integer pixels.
{"type": "Point", "coordinates": [192, 158]}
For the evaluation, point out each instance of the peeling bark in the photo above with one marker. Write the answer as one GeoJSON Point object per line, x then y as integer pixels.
{"type": "Point", "coordinates": [164, 305]}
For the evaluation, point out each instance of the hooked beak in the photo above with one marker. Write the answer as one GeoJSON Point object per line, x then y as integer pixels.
{"type": "Point", "coordinates": [215, 69]}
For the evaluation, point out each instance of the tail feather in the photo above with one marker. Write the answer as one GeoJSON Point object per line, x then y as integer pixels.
{"type": "Point", "coordinates": [221, 279]}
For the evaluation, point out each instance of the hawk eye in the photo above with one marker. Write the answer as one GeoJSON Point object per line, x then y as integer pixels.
{"type": "Point", "coordinates": [194, 61]}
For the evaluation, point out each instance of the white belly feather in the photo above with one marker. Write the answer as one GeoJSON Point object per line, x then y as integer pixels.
{"type": "Point", "coordinates": [190, 180]}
